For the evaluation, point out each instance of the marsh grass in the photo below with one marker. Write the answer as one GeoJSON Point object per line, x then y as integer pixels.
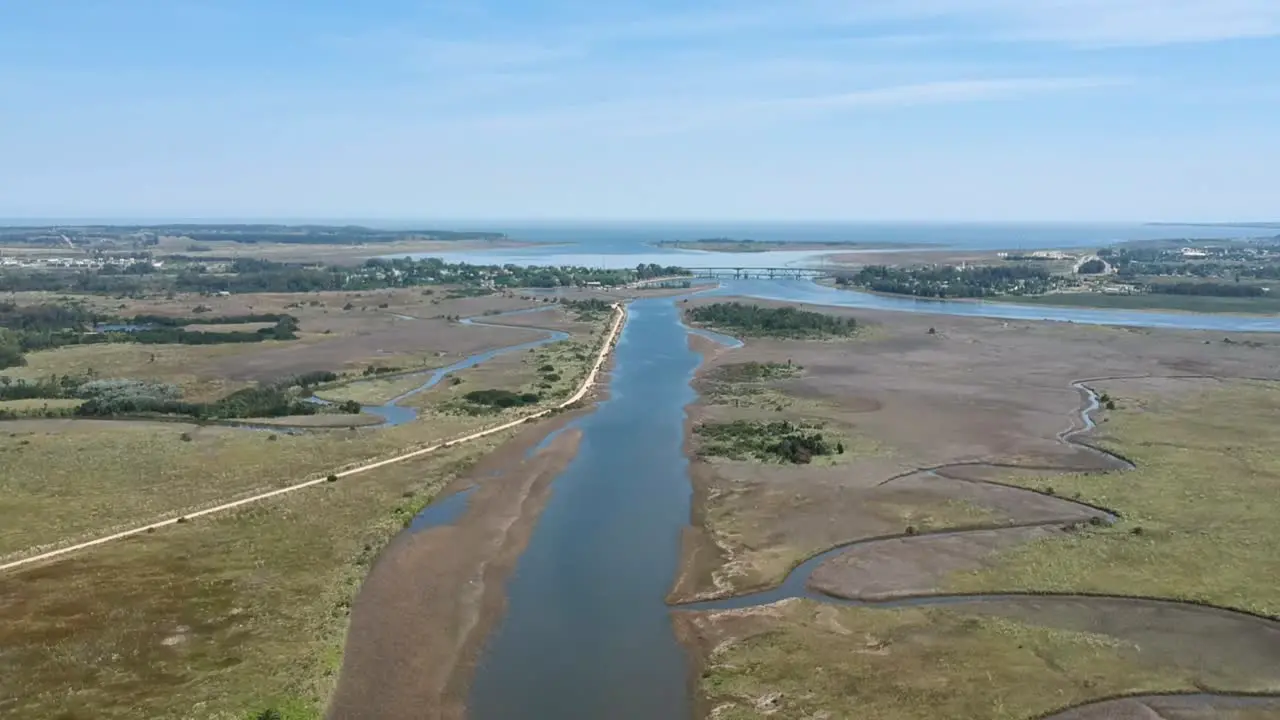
{"type": "Point", "coordinates": [1206, 493]}
{"type": "Point", "coordinates": [221, 617]}
{"type": "Point", "coordinates": [801, 659]}
{"type": "Point", "coordinates": [375, 391]}
{"type": "Point", "coordinates": [85, 478]}
{"type": "Point", "coordinates": [181, 365]}
{"type": "Point", "coordinates": [743, 520]}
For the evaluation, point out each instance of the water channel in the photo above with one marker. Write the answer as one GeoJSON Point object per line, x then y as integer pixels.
{"type": "Point", "coordinates": [587, 633]}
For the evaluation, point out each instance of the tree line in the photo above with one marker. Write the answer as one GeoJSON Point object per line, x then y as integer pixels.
{"type": "Point", "coordinates": [946, 281]}
{"type": "Point", "coordinates": [30, 328]}
{"type": "Point", "coordinates": [123, 396]}
{"type": "Point", "coordinates": [252, 275]}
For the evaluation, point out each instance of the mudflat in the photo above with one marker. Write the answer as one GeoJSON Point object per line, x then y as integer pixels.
{"type": "Point", "coordinates": [427, 606]}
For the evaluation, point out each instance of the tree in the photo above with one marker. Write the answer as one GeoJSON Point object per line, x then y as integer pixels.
{"type": "Point", "coordinates": [1092, 267]}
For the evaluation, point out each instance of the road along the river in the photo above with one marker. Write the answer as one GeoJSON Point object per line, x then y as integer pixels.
{"type": "Point", "coordinates": [588, 382]}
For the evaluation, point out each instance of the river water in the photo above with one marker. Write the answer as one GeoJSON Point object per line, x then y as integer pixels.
{"type": "Point", "coordinates": [587, 633]}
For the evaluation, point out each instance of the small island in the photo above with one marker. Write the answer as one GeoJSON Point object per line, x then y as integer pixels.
{"type": "Point", "coordinates": [736, 318]}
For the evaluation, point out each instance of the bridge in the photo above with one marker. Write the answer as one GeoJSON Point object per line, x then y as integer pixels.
{"type": "Point", "coordinates": [758, 273]}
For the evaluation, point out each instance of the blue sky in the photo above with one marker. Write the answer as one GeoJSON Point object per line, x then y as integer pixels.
{"type": "Point", "coordinates": [542, 109]}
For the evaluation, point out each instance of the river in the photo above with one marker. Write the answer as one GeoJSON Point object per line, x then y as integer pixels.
{"type": "Point", "coordinates": [587, 633]}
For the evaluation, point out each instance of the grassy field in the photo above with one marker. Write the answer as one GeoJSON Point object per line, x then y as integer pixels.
{"type": "Point", "coordinates": [65, 479]}
{"type": "Point", "coordinates": [800, 659]}
{"type": "Point", "coordinates": [1199, 511]}
{"type": "Point", "coordinates": [181, 365]}
{"type": "Point", "coordinates": [221, 618]}
{"type": "Point", "coordinates": [38, 404]}
{"type": "Point", "coordinates": [1150, 301]}
{"type": "Point", "coordinates": [374, 391]}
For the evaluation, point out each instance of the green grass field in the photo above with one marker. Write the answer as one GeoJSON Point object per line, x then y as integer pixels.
{"type": "Point", "coordinates": [374, 391]}
{"type": "Point", "coordinates": [219, 618]}
{"type": "Point", "coordinates": [801, 659]}
{"type": "Point", "coordinates": [65, 480]}
{"type": "Point", "coordinates": [38, 404]}
{"type": "Point", "coordinates": [1205, 495]}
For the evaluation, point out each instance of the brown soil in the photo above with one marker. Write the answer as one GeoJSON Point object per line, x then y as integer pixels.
{"type": "Point", "coordinates": [425, 609]}
{"type": "Point", "coordinates": [913, 565]}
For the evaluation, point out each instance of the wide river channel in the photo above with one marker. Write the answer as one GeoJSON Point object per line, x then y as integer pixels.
{"type": "Point", "coordinates": [587, 633]}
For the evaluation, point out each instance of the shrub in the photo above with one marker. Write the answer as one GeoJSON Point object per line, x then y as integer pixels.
{"type": "Point", "coordinates": [501, 398]}
{"type": "Point", "coordinates": [332, 478]}
{"type": "Point", "coordinates": [768, 441]}
{"type": "Point", "coordinates": [186, 437]}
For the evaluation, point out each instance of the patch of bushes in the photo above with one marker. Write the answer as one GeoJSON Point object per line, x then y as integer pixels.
{"type": "Point", "coordinates": [106, 398]}
{"type": "Point", "coordinates": [756, 371]}
{"type": "Point", "coordinates": [372, 370]}
{"type": "Point", "coordinates": [785, 322]}
{"type": "Point", "coordinates": [30, 328]}
{"type": "Point", "coordinates": [53, 387]}
{"type": "Point", "coordinates": [587, 310]}
{"type": "Point", "coordinates": [779, 441]}
{"type": "Point", "coordinates": [499, 399]}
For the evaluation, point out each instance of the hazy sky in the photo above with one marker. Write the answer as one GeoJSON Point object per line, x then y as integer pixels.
{"type": "Point", "coordinates": [743, 109]}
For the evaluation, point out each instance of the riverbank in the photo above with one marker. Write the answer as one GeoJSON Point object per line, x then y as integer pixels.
{"type": "Point", "coordinates": [945, 407]}
{"type": "Point", "coordinates": [433, 596]}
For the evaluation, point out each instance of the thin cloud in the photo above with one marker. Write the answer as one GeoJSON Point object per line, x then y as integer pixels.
{"type": "Point", "coordinates": [664, 116]}
{"type": "Point", "coordinates": [1072, 22]}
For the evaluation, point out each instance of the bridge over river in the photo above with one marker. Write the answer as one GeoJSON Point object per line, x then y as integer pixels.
{"type": "Point", "coordinates": [759, 273]}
